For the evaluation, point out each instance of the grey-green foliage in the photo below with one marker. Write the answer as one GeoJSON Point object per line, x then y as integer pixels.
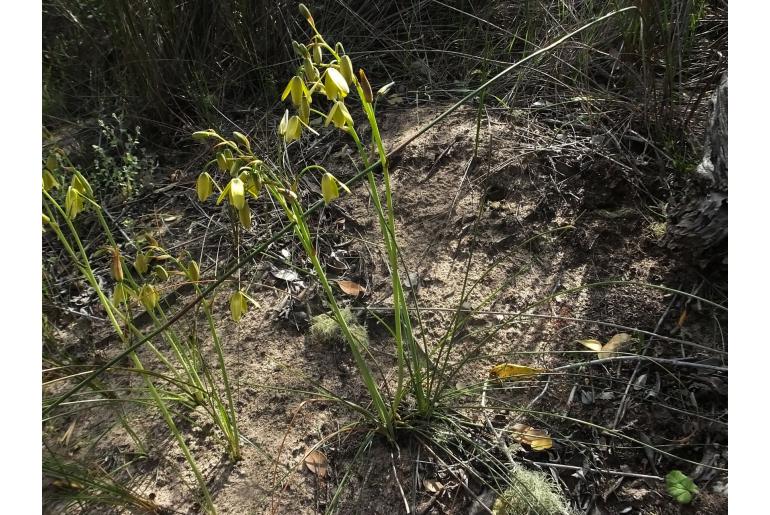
{"type": "Point", "coordinates": [531, 492]}
{"type": "Point", "coordinates": [120, 163]}
{"type": "Point", "coordinates": [324, 329]}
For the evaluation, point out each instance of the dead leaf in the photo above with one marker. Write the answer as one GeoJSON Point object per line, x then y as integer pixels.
{"type": "Point", "coordinates": [608, 349]}
{"type": "Point", "coordinates": [594, 345]}
{"type": "Point", "coordinates": [317, 463]}
{"type": "Point", "coordinates": [511, 371]}
{"type": "Point", "coordinates": [615, 343]}
{"type": "Point", "coordinates": [289, 276]}
{"type": "Point", "coordinates": [432, 485]}
{"type": "Point", "coordinates": [351, 288]}
{"type": "Point", "coordinates": [65, 439]}
{"type": "Point", "coordinates": [537, 439]}
{"type": "Point", "coordinates": [682, 318]}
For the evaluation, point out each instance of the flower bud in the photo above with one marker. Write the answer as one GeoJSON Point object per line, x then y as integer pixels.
{"type": "Point", "coordinates": [305, 12]}
{"type": "Point", "coordinates": [204, 186]}
{"type": "Point", "coordinates": [201, 135]}
{"type": "Point", "coordinates": [365, 86]}
{"type": "Point", "coordinates": [141, 263]}
{"type": "Point", "coordinates": [116, 267]}
{"type": "Point", "coordinates": [148, 296]}
{"type": "Point", "coordinates": [238, 305]}
{"type": "Point", "coordinates": [193, 272]}
{"type": "Point", "coordinates": [244, 215]}
{"type": "Point", "coordinates": [346, 68]}
{"type": "Point", "coordinates": [160, 273]}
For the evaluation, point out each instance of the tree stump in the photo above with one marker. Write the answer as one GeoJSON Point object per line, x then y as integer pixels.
{"type": "Point", "coordinates": [697, 219]}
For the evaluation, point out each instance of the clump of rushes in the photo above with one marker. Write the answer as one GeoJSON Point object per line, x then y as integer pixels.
{"type": "Point", "coordinates": [324, 84]}
{"type": "Point", "coordinates": [196, 380]}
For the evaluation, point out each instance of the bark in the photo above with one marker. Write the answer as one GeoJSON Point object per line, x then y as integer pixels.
{"type": "Point", "coordinates": [697, 220]}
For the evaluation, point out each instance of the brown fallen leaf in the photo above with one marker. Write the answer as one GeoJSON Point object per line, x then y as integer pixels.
{"type": "Point", "coordinates": [511, 371]}
{"type": "Point", "coordinates": [682, 318]}
{"type": "Point", "coordinates": [615, 343]}
{"type": "Point", "coordinates": [317, 463]}
{"type": "Point", "coordinates": [351, 288]}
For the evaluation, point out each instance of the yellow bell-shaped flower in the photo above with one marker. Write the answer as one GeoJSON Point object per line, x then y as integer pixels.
{"type": "Point", "coordinates": [290, 128]}
{"type": "Point", "coordinates": [335, 85]}
{"type": "Point", "coordinates": [339, 116]}
{"type": "Point", "coordinates": [296, 87]}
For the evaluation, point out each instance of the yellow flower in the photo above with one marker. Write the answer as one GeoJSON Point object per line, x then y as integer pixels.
{"type": "Point", "coordinates": [290, 128]}
{"type": "Point", "coordinates": [330, 187]}
{"type": "Point", "coordinates": [335, 84]}
{"type": "Point", "coordinates": [339, 116]}
{"type": "Point", "coordinates": [296, 87]}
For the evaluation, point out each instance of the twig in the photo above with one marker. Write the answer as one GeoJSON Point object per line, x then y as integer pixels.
{"type": "Point", "coordinates": [590, 469]}
{"type": "Point", "coordinates": [675, 362]}
{"type": "Point", "coordinates": [398, 483]}
{"type": "Point", "coordinates": [432, 170]}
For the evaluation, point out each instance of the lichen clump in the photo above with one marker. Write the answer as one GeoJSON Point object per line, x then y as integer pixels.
{"type": "Point", "coordinates": [324, 329]}
{"type": "Point", "coordinates": [531, 492]}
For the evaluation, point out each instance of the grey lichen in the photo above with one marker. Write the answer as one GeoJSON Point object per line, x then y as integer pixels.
{"type": "Point", "coordinates": [324, 329]}
{"type": "Point", "coordinates": [531, 492]}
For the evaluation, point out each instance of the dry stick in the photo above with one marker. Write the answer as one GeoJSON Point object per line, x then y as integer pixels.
{"type": "Point", "coordinates": [360, 175]}
{"type": "Point", "coordinates": [400, 488]}
{"type": "Point", "coordinates": [675, 362]}
{"type": "Point", "coordinates": [590, 469]}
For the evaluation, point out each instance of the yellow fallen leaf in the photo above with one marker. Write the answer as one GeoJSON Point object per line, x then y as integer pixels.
{"type": "Point", "coordinates": [316, 462]}
{"type": "Point", "coordinates": [537, 439]}
{"type": "Point", "coordinates": [511, 371]}
{"type": "Point", "coordinates": [541, 444]}
{"type": "Point", "coordinates": [351, 288]}
{"type": "Point", "coordinates": [608, 349]}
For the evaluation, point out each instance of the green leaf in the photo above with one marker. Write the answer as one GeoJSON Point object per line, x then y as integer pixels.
{"type": "Point", "coordinates": [680, 487]}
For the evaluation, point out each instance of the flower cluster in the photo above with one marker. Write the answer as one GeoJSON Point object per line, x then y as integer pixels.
{"type": "Point", "coordinates": [332, 79]}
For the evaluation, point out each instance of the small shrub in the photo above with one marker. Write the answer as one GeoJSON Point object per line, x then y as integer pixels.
{"type": "Point", "coordinates": [120, 164]}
